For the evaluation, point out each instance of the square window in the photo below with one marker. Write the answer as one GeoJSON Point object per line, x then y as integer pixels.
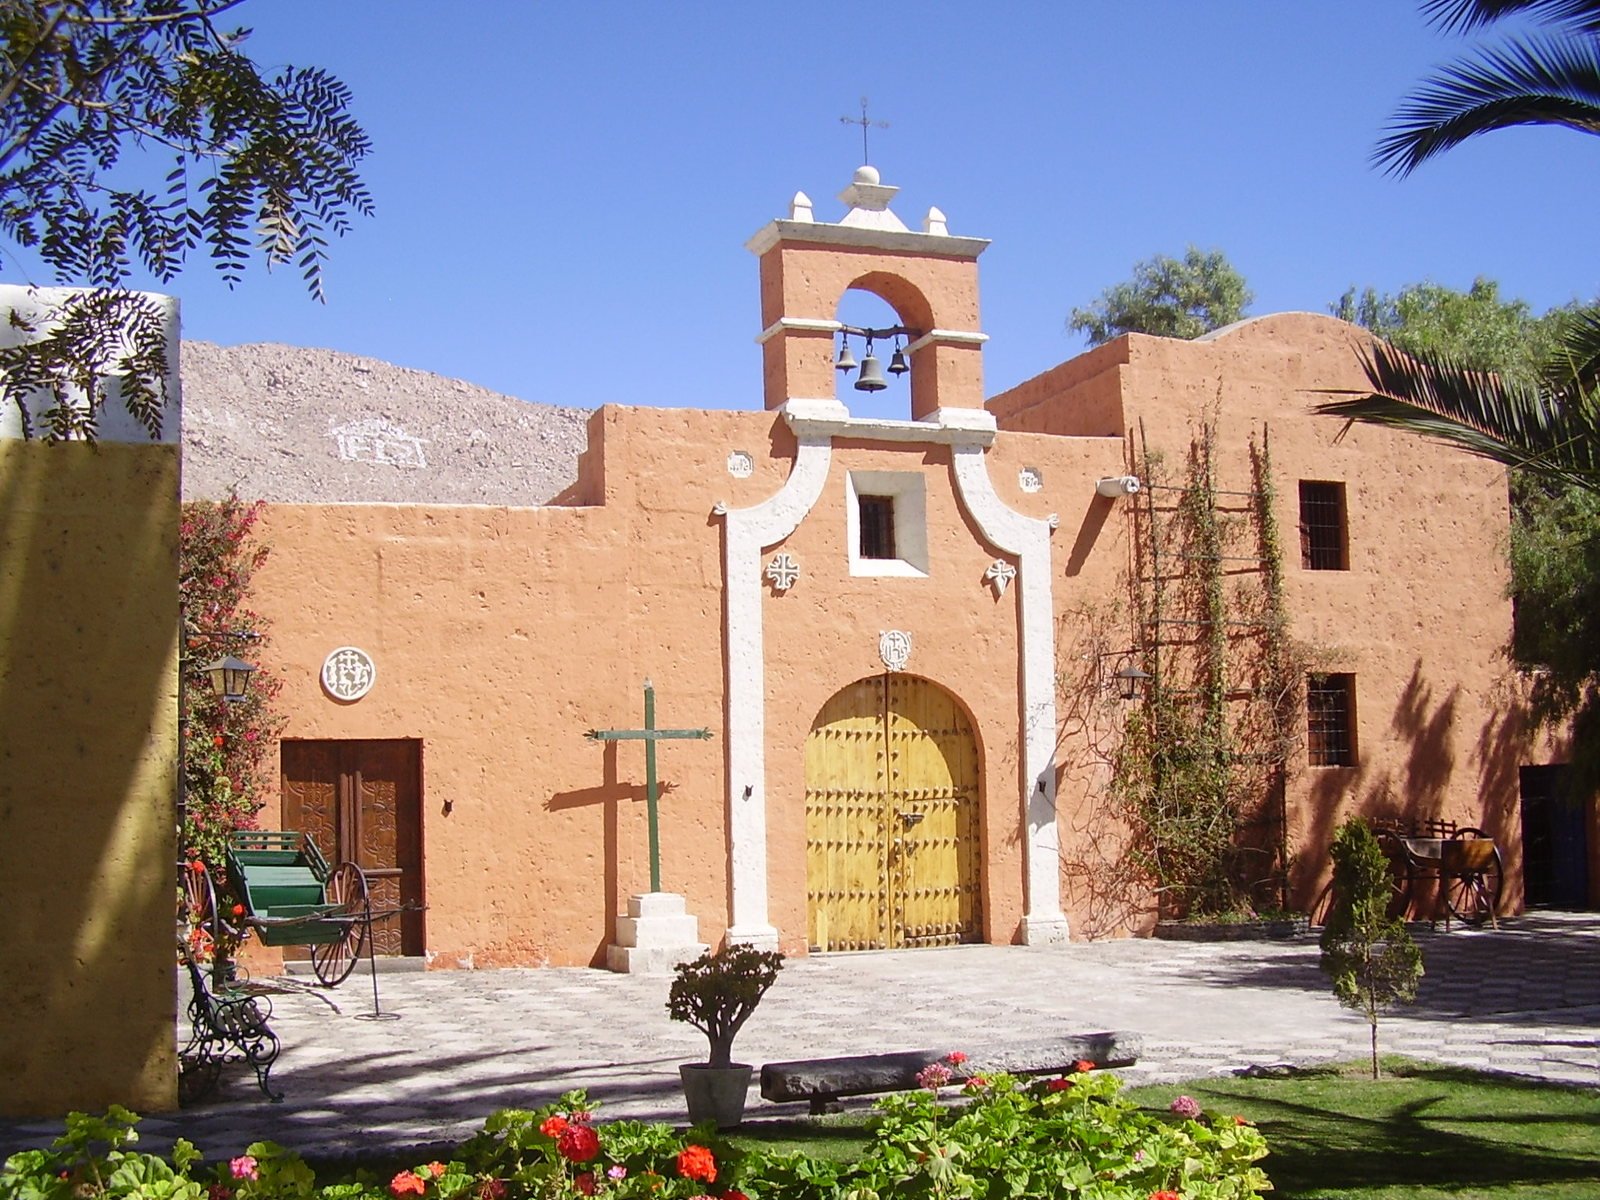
{"type": "Point", "coordinates": [886, 523]}
{"type": "Point", "coordinates": [1323, 542]}
{"type": "Point", "coordinates": [877, 526]}
{"type": "Point", "coordinates": [1331, 720]}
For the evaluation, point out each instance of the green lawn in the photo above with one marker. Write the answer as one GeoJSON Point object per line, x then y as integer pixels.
{"type": "Point", "coordinates": [1421, 1132]}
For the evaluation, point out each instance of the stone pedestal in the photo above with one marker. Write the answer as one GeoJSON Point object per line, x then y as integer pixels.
{"type": "Point", "coordinates": [656, 935]}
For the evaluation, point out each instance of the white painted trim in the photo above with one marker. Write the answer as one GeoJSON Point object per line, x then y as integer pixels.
{"type": "Point", "coordinates": [1028, 540]}
{"type": "Point", "coordinates": [798, 325]}
{"type": "Point", "coordinates": [948, 337]}
{"type": "Point", "coordinates": [35, 305]}
{"type": "Point", "coordinates": [822, 233]}
{"type": "Point", "coordinates": [947, 427]}
{"type": "Point", "coordinates": [747, 533]}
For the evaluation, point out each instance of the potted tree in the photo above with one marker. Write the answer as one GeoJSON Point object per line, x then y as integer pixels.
{"type": "Point", "coordinates": [716, 993]}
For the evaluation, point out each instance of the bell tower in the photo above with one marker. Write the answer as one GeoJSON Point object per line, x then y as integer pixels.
{"type": "Point", "coordinates": [929, 278]}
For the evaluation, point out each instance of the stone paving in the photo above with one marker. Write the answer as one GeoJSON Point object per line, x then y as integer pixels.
{"type": "Point", "coordinates": [1524, 1000]}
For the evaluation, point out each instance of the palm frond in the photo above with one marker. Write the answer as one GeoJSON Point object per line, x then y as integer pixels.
{"type": "Point", "coordinates": [1511, 424]}
{"type": "Point", "coordinates": [1463, 16]}
{"type": "Point", "coordinates": [1574, 366]}
{"type": "Point", "coordinates": [1533, 82]}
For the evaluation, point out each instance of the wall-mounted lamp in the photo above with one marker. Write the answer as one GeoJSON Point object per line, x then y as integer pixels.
{"type": "Point", "coordinates": [230, 677]}
{"type": "Point", "coordinates": [1118, 485]}
{"type": "Point", "coordinates": [871, 377]}
{"type": "Point", "coordinates": [1130, 681]}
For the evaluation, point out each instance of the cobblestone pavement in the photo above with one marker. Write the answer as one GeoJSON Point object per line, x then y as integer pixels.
{"type": "Point", "coordinates": [1524, 1000]}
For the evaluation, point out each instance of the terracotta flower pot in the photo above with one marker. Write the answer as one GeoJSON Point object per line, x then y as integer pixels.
{"type": "Point", "coordinates": [715, 1093]}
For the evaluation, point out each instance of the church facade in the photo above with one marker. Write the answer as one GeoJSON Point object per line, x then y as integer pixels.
{"type": "Point", "coordinates": [908, 639]}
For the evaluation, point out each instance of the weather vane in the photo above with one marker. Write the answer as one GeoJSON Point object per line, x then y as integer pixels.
{"type": "Point", "coordinates": [864, 122]}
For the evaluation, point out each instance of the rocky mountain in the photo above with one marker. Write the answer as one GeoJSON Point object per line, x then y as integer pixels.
{"type": "Point", "coordinates": [286, 424]}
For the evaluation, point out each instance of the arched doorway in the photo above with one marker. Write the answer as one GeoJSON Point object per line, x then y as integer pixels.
{"type": "Point", "coordinates": [892, 853]}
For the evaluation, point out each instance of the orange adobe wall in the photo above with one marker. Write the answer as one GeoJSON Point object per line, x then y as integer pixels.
{"type": "Point", "coordinates": [1420, 617]}
{"type": "Point", "coordinates": [501, 635]}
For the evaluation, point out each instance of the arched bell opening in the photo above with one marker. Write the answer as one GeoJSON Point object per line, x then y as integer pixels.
{"type": "Point", "coordinates": [893, 842]}
{"type": "Point", "coordinates": [882, 317]}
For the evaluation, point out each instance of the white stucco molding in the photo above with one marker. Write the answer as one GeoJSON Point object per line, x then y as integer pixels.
{"type": "Point", "coordinates": [945, 426]}
{"type": "Point", "coordinates": [36, 306]}
{"type": "Point", "coordinates": [1028, 540]}
{"type": "Point", "coordinates": [747, 533]}
{"type": "Point", "coordinates": [797, 325]}
{"type": "Point", "coordinates": [950, 337]}
{"type": "Point", "coordinates": [856, 237]}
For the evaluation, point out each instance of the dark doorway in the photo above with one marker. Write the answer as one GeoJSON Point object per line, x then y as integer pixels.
{"type": "Point", "coordinates": [362, 802]}
{"type": "Point", "coordinates": [1555, 840]}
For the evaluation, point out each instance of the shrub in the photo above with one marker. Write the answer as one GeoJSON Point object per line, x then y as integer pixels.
{"type": "Point", "coordinates": [1071, 1136]}
{"type": "Point", "coordinates": [1368, 954]}
{"type": "Point", "coordinates": [716, 993]}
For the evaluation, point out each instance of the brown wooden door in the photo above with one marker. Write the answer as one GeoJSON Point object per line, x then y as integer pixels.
{"type": "Point", "coordinates": [361, 801]}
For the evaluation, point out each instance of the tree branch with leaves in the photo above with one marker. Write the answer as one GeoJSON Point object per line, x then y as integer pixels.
{"type": "Point", "coordinates": [255, 165]}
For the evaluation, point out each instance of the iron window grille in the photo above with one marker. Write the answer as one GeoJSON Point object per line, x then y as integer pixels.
{"type": "Point", "coordinates": [877, 526]}
{"type": "Point", "coordinates": [1330, 720]}
{"type": "Point", "coordinates": [1323, 540]}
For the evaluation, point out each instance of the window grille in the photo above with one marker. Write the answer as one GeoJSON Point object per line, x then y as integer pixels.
{"type": "Point", "coordinates": [1330, 720]}
{"type": "Point", "coordinates": [877, 526]}
{"type": "Point", "coordinates": [1322, 526]}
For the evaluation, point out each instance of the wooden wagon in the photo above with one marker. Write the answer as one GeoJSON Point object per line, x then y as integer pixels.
{"type": "Point", "coordinates": [288, 896]}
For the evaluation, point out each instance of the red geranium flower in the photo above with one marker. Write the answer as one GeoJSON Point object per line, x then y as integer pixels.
{"type": "Point", "coordinates": [552, 1126]}
{"type": "Point", "coordinates": [219, 740]}
{"type": "Point", "coordinates": [696, 1162]}
{"type": "Point", "coordinates": [734, 1194]}
{"type": "Point", "coordinates": [1163, 1194]}
{"type": "Point", "coordinates": [436, 1170]}
{"type": "Point", "coordinates": [492, 1189]}
{"type": "Point", "coordinates": [408, 1183]}
{"type": "Point", "coordinates": [1059, 1085]}
{"type": "Point", "coordinates": [1083, 1066]}
{"type": "Point", "coordinates": [585, 1183]}
{"type": "Point", "coordinates": [955, 1058]}
{"type": "Point", "coordinates": [578, 1143]}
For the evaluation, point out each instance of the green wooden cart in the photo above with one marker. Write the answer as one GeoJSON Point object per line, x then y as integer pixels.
{"type": "Point", "coordinates": [290, 897]}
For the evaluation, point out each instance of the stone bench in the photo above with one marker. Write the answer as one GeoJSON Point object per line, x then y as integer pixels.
{"type": "Point", "coordinates": [822, 1081]}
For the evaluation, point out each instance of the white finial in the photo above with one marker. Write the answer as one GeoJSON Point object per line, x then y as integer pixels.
{"type": "Point", "coordinates": [866, 173]}
{"type": "Point", "coordinates": [934, 223]}
{"type": "Point", "coordinates": [800, 208]}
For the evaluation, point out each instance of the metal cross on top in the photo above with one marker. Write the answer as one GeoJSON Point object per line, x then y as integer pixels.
{"type": "Point", "coordinates": [649, 735]}
{"type": "Point", "coordinates": [864, 122]}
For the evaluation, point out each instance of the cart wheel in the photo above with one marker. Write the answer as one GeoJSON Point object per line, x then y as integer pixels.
{"type": "Point", "coordinates": [1472, 888]}
{"type": "Point", "coordinates": [347, 888]}
{"type": "Point", "coordinates": [197, 906]}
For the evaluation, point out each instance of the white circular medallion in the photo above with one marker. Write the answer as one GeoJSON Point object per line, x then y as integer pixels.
{"type": "Point", "coordinates": [348, 673]}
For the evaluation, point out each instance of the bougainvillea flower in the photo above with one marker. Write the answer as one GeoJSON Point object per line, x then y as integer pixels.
{"type": "Point", "coordinates": [552, 1126]}
{"type": "Point", "coordinates": [696, 1162]}
{"type": "Point", "coordinates": [1186, 1106]}
{"type": "Point", "coordinates": [578, 1143]}
{"type": "Point", "coordinates": [408, 1183]}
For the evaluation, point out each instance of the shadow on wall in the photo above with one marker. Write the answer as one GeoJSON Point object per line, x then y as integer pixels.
{"type": "Point", "coordinates": [88, 627]}
{"type": "Point", "coordinates": [1421, 788]}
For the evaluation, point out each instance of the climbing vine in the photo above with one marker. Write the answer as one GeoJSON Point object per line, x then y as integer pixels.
{"type": "Point", "coordinates": [225, 744]}
{"type": "Point", "coordinates": [1201, 770]}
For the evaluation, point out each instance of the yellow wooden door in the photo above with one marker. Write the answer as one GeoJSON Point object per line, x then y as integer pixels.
{"type": "Point", "coordinates": [892, 818]}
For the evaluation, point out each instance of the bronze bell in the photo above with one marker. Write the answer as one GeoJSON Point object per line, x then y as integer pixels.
{"type": "Point", "coordinates": [871, 378]}
{"type": "Point", "coordinates": [897, 362]}
{"type": "Point", "coordinates": [846, 361]}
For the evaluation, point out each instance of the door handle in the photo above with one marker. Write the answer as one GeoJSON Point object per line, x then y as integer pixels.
{"type": "Point", "coordinates": [910, 819]}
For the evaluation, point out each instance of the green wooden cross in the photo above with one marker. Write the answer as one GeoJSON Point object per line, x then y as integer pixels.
{"type": "Point", "coordinates": [649, 735]}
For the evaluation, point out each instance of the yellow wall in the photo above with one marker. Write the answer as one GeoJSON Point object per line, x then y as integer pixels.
{"type": "Point", "coordinates": [88, 710]}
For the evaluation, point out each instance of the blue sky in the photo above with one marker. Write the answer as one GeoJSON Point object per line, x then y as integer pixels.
{"type": "Point", "coordinates": [564, 190]}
